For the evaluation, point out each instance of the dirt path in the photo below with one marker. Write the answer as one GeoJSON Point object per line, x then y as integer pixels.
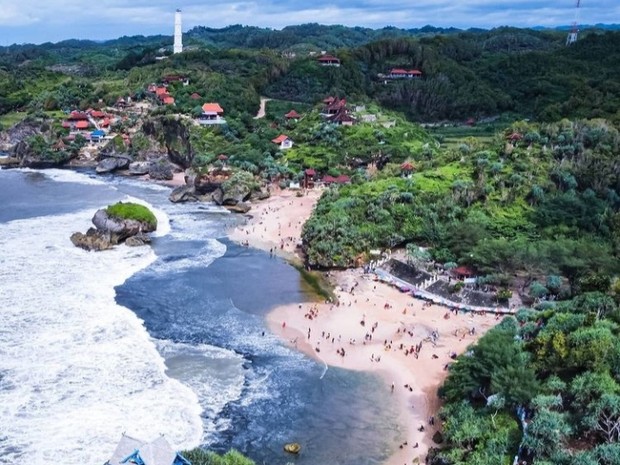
{"type": "Point", "coordinates": [261, 109]}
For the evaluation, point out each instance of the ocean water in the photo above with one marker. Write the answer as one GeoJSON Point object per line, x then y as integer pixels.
{"type": "Point", "coordinates": [168, 339]}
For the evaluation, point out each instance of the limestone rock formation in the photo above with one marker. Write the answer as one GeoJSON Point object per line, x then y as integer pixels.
{"type": "Point", "coordinates": [110, 230]}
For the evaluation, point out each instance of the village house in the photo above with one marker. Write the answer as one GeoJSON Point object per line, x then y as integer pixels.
{"type": "Point", "coordinates": [342, 117]}
{"type": "Point", "coordinates": [333, 105]}
{"type": "Point", "coordinates": [398, 73]}
{"type": "Point", "coordinates": [328, 60]}
{"type": "Point", "coordinates": [309, 177]}
{"type": "Point", "coordinates": [135, 451]}
{"type": "Point", "coordinates": [76, 120]}
{"type": "Point", "coordinates": [167, 99]}
{"type": "Point", "coordinates": [170, 78]}
{"type": "Point", "coordinates": [283, 141]}
{"type": "Point", "coordinates": [211, 114]}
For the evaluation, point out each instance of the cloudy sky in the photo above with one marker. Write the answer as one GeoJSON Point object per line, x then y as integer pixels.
{"type": "Point", "coordinates": [53, 20]}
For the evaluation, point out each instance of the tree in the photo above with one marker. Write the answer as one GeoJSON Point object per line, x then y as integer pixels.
{"type": "Point", "coordinates": [546, 433]}
{"type": "Point", "coordinates": [604, 417]}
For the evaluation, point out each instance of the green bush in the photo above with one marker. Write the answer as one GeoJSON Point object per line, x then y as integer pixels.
{"type": "Point", "coordinates": [132, 211]}
{"type": "Point", "coordinates": [203, 457]}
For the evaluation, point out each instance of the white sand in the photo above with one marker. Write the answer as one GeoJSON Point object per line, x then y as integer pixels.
{"type": "Point", "coordinates": [277, 223]}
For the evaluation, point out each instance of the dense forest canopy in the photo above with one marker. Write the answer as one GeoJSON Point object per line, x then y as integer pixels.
{"type": "Point", "coordinates": [466, 74]}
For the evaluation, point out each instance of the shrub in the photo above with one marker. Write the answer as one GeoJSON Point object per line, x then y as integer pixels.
{"type": "Point", "coordinates": [132, 211]}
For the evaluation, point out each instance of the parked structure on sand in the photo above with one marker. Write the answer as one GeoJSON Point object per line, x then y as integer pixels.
{"type": "Point", "coordinates": [135, 451]}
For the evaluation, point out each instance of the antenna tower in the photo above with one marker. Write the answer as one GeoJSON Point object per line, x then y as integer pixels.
{"type": "Point", "coordinates": [572, 35]}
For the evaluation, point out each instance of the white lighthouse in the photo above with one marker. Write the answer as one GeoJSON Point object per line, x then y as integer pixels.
{"type": "Point", "coordinates": [178, 33]}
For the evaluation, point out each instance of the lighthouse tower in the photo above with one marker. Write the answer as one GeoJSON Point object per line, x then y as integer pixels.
{"type": "Point", "coordinates": [178, 33]}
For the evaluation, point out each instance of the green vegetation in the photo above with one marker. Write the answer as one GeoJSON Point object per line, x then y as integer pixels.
{"type": "Point", "coordinates": [132, 211]}
{"type": "Point", "coordinates": [202, 457]}
{"type": "Point", "coordinates": [540, 200]}
{"type": "Point", "coordinates": [560, 366]}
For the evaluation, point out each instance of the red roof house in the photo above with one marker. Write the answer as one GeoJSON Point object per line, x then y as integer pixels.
{"type": "Point", "coordinates": [161, 90]}
{"type": "Point", "coordinates": [211, 114]}
{"type": "Point", "coordinates": [342, 117]}
{"type": "Point", "coordinates": [82, 124]}
{"type": "Point", "coordinates": [328, 60]}
{"type": "Point", "coordinates": [77, 116]}
{"type": "Point", "coordinates": [400, 73]}
{"type": "Point", "coordinates": [97, 114]}
{"type": "Point", "coordinates": [212, 108]}
{"type": "Point", "coordinates": [168, 100]}
{"type": "Point", "coordinates": [283, 141]}
{"type": "Point", "coordinates": [195, 96]}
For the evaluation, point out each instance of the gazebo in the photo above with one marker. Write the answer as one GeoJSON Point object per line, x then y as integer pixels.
{"type": "Point", "coordinates": [407, 168]}
{"type": "Point", "coordinates": [309, 175]}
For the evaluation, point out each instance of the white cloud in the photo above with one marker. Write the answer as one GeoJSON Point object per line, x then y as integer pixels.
{"type": "Point", "coordinates": [42, 20]}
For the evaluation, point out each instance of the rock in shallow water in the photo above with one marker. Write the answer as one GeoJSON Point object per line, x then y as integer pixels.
{"type": "Point", "coordinates": [93, 240]}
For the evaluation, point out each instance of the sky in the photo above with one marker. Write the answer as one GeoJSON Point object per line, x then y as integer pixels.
{"type": "Point", "coordinates": [37, 21]}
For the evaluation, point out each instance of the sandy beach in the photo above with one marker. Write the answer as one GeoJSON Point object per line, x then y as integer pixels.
{"type": "Point", "coordinates": [373, 327]}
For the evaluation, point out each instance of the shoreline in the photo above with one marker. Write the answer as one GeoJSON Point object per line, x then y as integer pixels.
{"type": "Point", "coordinates": [378, 328]}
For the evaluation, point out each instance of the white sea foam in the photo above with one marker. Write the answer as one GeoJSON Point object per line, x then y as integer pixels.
{"type": "Point", "coordinates": [76, 369]}
{"type": "Point", "coordinates": [59, 175]}
{"type": "Point", "coordinates": [201, 257]}
{"type": "Point", "coordinates": [216, 375]}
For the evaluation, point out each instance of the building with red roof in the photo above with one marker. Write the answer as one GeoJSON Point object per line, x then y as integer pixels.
{"type": "Point", "coordinates": [212, 114]}
{"type": "Point", "coordinates": [342, 117]}
{"type": "Point", "coordinates": [168, 100]}
{"type": "Point", "coordinates": [82, 124]}
{"type": "Point", "coordinates": [77, 116]}
{"type": "Point", "coordinates": [328, 60]}
{"type": "Point", "coordinates": [195, 96]}
{"type": "Point", "coordinates": [283, 141]}
{"type": "Point", "coordinates": [335, 106]}
{"type": "Point", "coordinates": [400, 73]}
{"type": "Point", "coordinates": [292, 115]}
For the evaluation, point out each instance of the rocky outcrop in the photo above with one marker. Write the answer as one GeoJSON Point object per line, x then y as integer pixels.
{"type": "Point", "coordinates": [139, 168]}
{"type": "Point", "coordinates": [20, 132]}
{"type": "Point", "coordinates": [173, 133]}
{"type": "Point", "coordinates": [120, 228]}
{"type": "Point", "coordinates": [241, 207]}
{"type": "Point", "coordinates": [113, 163]}
{"type": "Point", "coordinates": [110, 231]}
{"type": "Point", "coordinates": [183, 194]}
{"type": "Point", "coordinates": [161, 170]}
{"type": "Point", "coordinates": [92, 240]}
{"type": "Point", "coordinates": [138, 240]}
{"type": "Point", "coordinates": [232, 195]}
